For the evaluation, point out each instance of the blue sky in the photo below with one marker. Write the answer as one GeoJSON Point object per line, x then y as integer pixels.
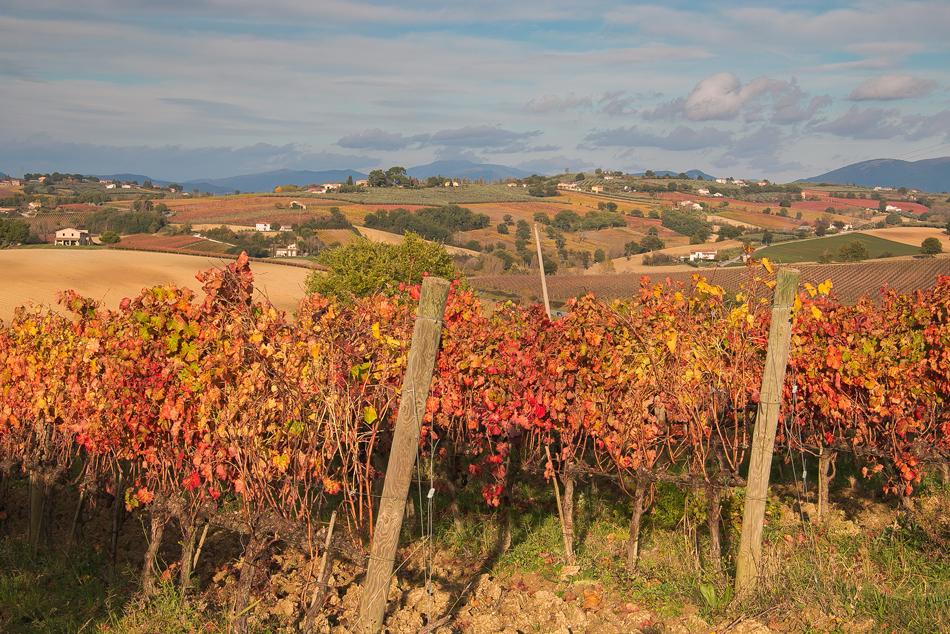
{"type": "Point", "coordinates": [183, 89]}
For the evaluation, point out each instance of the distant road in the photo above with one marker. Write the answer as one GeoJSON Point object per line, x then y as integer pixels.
{"type": "Point", "coordinates": [35, 276]}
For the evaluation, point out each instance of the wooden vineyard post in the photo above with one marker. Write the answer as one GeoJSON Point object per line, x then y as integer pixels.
{"type": "Point", "coordinates": [763, 435]}
{"type": "Point", "coordinates": [544, 282]}
{"type": "Point", "coordinates": [402, 456]}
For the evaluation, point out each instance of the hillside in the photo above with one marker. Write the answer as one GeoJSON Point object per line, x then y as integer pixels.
{"type": "Point", "coordinates": [267, 181]}
{"type": "Point", "coordinates": [932, 175]}
{"type": "Point", "coordinates": [694, 174]}
{"type": "Point", "coordinates": [466, 169]}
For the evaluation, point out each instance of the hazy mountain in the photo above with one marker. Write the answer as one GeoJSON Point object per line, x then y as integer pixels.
{"type": "Point", "coordinates": [267, 181]}
{"type": "Point", "coordinates": [932, 175]}
{"type": "Point", "coordinates": [138, 178]}
{"type": "Point", "coordinates": [466, 169]}
{"type": "Point", "coordinates": [690, 173]}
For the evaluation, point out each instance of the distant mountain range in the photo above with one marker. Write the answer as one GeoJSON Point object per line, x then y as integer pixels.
{"type": "Point", "coordinates": [466, 169]}
{"type": "Point", "coordinates": [690, 173]}
{"type": "Point", "coordinates": [932, 175]}
{"type": "Point", "coordinates": [267, 181]}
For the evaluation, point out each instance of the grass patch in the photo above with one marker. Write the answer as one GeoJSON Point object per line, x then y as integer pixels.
{"type": "Point", "coordinates": [53, 592]}
{"type": "Point", "coordinates": [813, 249]}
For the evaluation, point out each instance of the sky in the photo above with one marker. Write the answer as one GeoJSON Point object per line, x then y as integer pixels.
{"type": "Point", "coordinates": [189, 89]}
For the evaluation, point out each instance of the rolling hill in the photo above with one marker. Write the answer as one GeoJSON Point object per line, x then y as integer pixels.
{"type": "Point", "coordinates": [466, 169]}
{"type": "Point", "coordinates": [932, 175]}
{"type": "Point", "coordinates": [690, 173]}
{"type": "Point", "coordinates": [267, 181]}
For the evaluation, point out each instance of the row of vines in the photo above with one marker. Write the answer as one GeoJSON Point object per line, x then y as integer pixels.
{"type": "Point", "coordinates": [221, 410]}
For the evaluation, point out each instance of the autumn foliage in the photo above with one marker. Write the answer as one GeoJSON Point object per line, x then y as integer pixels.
{"type": "Point", "coordinates": [221, 404]}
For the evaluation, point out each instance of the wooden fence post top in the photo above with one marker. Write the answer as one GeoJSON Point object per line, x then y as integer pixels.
{"type": "Point", "coordinates": [786, 287]}
{"type": "Point", "coordinates": [432, 297]}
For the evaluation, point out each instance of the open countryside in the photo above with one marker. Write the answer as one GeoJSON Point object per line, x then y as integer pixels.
{"type": "Point", "coordinates": [475, 318]}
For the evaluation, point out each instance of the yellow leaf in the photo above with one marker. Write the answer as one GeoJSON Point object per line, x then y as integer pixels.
{"type": "Point", "coordinates": [369, 414]}
{"type": "Point", "coordinates": [797, 306]}
{"type": "Point", "coordinates": [767, 265]}
{"type": "Point", "coordinates": [671, 341]}
{"type": "Point", "coordinates": [281, 461]}
{"type": "Point", "coordinates": [810, 288]}
{"type": "Point", "coordinates": [825, 287]}
{"type": "Point", "coordinates": [376, 330]}
{"type": "Point", "coordinates": [815, 312]}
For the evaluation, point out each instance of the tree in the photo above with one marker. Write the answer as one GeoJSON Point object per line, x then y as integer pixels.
{"type": "Point", "coordinates": [600, 256]}
{"type": "Point", "coordinates": [931, 246]}
{"type": "Point", "coordinates": [821, 226]}
{"type": "Point", "coordinates": [502, 228]}
{"type": "Point", "coordinates": [109, 237]}
{"type": "Point", "coordinates": [13, 231]}
{"type": "Point", "coordinates": [377, 178]}
{"type": "Point", "coordinates": [649, 174]}
{"type": "Point", "coordinates": [767, 237]}
{"type": "Point", "coordinates": [854, 251]}
{"type": "Point", "coordinates": [349, 180]}
{"type": "Point", "coordinates": [893, 218]}
{"type": "Point", "coordinates": [580, 176]}
{"type": "Point", "coordinates": [363, 268]}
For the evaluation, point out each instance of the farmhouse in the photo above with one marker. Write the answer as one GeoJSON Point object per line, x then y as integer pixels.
{"type": "Point", "coordinates": [296, 204]}
{"type": "Point", "coordinates": [70, 237]}
{"type": "Point", "coordinates": [568, 186]}
{"type": "Point", "coordinates": [361, 183]}
{"type": "Point", "coordinates": [126, 186]}
{"type": "Point", "coordinates": [721, 181]}
{"type": "Point", "coordinates": [289, 251]}
{"type": "Point", "coordinates": [35, 205]}
{"type": "Point", "coordinates": [597, 189]}
{"type": "Point", "coordinates": [702, 191]}
{"type": "Point", "coordinates": [262, 226]}
{"type": "Point", "coordinates": [892, 208]}
{"type": "Point", "coordinates": [702, 255]}
{"type": "Point", "coordinates": [717, 195]}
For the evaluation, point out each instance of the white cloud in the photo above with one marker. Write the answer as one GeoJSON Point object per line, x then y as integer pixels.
{"type": "Point", "coordinates": [892, 87]}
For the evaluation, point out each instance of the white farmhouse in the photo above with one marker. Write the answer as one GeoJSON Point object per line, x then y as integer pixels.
{"type": "Point", "coordinates": [892, 208]}
{"type": "Point", "coordinates": [702, 255]}
{"type": "Point", "coordinates": [702, 191]}
{"type": "Point", "coordinates": [289, 251]}
{"type": "Point", "coordinates": [70, 237]}
{"type": "Point", "coordinates": [597, 189]}
{"type": "Point", "coordinates": [262, 226]}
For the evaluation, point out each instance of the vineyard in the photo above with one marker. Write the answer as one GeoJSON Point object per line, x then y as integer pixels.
{"type": "Point", "coordinates": [219, 410]}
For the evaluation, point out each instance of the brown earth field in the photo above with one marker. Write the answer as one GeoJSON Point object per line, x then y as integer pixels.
{"type": "Point", "coordinates": [912, 235]}
{"type": "Point", "coordinates": [35, 276]}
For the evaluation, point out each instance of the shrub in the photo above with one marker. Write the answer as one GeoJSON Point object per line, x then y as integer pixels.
{"type": "Point", "coordinates": [364, 267]}
{"type": "Point", "coordinates": [931, 246]}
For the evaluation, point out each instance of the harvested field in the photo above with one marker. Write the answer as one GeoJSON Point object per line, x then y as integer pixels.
{"type": "Point", "coordinates": [851, 281]}
{"type": "Point", "coordinates": [912, 235]}
{"type": "Point", "coordinates": [466, 194]}
{"type": "Point", "coordinates": [158, 242]}
{"type": "Point", "coordinates": [336, 236]}
{"type": "Point", "coordinates": [243, 210]}
{"type": "Point", "coordinates": [35, 276]}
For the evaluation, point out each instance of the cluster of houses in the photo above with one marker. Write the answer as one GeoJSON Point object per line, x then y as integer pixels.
{"type": "Point", "coordinates": [10, 182]}
{"type": "Point", "coordinates": [689, 204]}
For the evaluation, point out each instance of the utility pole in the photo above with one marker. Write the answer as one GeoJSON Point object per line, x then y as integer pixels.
{"type": "Point", "coordinates": [544, 283]}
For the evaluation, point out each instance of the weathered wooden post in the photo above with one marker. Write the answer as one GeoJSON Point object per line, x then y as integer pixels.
{"type": "Point", "coordinates": [544, 282]}
{"type": "Point", "coordinates": [763, 435]}
{"type": "Point", "coordinates": [402, 456]}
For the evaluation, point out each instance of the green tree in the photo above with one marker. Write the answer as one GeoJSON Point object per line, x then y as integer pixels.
{"type": "Point", "coordinates": [109, 237]}
{"type": "Point", "coordinates": [854, 251]}
{"type": "Point", "coordinates": [600, 256]}
{"type": "Point", "coordinates": [502, 228]}
{"type": "Point", "coordinates": [767, 237]}
{"type": "Point", "coordinates": [580, 176]}
{"type": "Point", "coordinates": [363, 268]}
{"type": "Point", "coordinates": [931, 246]}
{"type": "Point", "coordinates": [893, 218]}
{"type": "Point", "coordinates": [13, 231]}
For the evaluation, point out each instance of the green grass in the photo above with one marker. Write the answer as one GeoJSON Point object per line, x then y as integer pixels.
{"type": "Point", "coordinates": [812, 249]}
{"type": "Point", "coordinates": [50, 592]}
